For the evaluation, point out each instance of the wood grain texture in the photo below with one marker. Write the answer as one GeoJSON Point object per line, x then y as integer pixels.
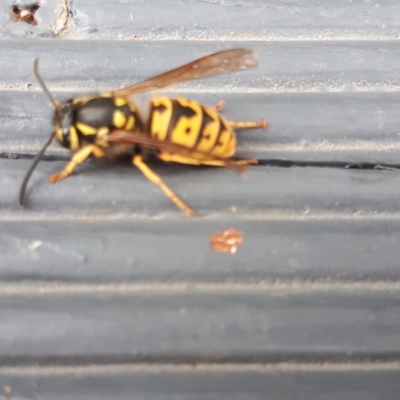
{"type": "Point", "coordinates": [349, 66]}
{"type": "Point", "coordinates": [114, 326]}
{"type": "Point", "coordinates": [108, 188]}
{"type": "Point", "coordinates": [75, 249]}
{"type": "Point", "coordinates": [196, 382]}
{"type": "Point", "coordinates": [214, 20]}
{"type": "Point", "coordinates": [108, 291]}
{"type": "Point", "coordinates": [227, 20]}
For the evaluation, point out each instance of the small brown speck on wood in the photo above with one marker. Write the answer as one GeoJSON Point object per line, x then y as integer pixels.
{"type": "Point", "coordinates": [227, 241]}
{"type": "Point", "coordinates": [27, 15]}
{"type": "Point", "coordinates": [7, 389]}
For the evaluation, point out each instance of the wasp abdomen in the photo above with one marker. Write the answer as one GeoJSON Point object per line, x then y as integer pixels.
{"type": "Point", "coordinates": [192, 125]}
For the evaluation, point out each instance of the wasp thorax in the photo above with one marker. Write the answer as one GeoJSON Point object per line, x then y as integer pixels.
{"type": "Point", "coordinates": [85, 120]}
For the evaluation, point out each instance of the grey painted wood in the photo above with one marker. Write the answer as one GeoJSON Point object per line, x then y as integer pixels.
{"type": "Point", "coordinates": [97, 251]}
{"type": "Point", "coordinates": [194, 383]}
{"type": "Point", "coordinates": [225, 20]}
{"type": "Point", "coordinates": [101, 271]}
{"type": "Point", "coordinates": [335, 132]}
{"type": "Point", "coordinates": [213, 20]}
{"type": "Point", "coordinates": [284, 66]}
{"type": "Point", "coordinates": [113, 326]}
{"type": "Point", "coordinates": [293, 223]}
{"type": "Point", "coordinates": [108, 188]}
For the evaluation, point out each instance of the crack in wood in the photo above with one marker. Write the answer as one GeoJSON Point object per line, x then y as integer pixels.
{"type": "Point", "coordinates": [61, 23]}
{"type": "Point", "coordinates": [255, 215]}
{"type": "Point", "coordinates": [360, 165]}
{"type": "Point", "coordinates": [196, 362]}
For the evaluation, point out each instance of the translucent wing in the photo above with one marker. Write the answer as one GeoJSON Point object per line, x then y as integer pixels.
{"type": "Point", "coordinates": [130, 138]}
{"type": "Point", "coordinates": [214, 64]}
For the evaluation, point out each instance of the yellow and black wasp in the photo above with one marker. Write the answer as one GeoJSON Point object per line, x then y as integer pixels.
{"type": "Point", "coordinates": [177, 129]}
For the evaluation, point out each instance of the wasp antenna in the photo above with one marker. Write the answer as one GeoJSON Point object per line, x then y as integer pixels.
{"type": "Point", "coordinates": [38, 157]}
{"type": "Point", "coordinates": [50, 139]}
{"type": "Point", "coordinates": [42, 84]}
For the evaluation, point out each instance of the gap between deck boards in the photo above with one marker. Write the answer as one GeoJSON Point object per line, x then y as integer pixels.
{"type": "Point", "coordinates": [261, 162]}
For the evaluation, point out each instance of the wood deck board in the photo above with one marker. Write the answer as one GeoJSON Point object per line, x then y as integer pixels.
{"type": "Point", "coordinates": [108, 291]}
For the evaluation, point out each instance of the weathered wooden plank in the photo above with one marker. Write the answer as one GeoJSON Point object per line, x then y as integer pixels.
{"type": "Point", "coordinates": [101, 269]}
{"type": "Point", "coordinates": [210, 20]}
{"type": "Point", "coordinates": [227, 20]}
{"type": "Point", "coordinates": [109, 188]}
{"type": "Point", "coordinates": [354, 127]}
{"type": "Point", "coordinates": [197, 382]}
{"type": "Point", "coordinates": [133, 250]}
{"type": "Point", "coordinates": [192, 325]}
{"type": "Point", "coordinates": [284, 66]}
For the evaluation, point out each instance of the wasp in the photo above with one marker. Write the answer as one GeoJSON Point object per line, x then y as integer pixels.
{"type": "Point", "coordinates": [176, 129]}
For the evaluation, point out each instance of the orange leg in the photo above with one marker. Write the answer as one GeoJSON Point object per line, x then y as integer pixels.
{"type": "Point", "coordinates": [153, 177]}
{"type": "Point", "coordinates": [235, 164]}
{"type": "Point", "coordinates": [250, 124]}
{"type": "Point", "coordinates": [249, 161]}
{"type": "Point", "coordinates": [219, 105]}
{"type": "Point", "coordinates": [79, 157]}
{"type": "Point", "coordinates": [239, 124]}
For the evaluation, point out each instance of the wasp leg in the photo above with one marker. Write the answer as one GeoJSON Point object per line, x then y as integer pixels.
{"type": "Point", "coordinates": [248, 161]}
{"type": "Point", "coordinates": [219, 105]}
{"type": "Point", "coordinates": [250, 124]}
{"type": "Point", "coordinates": [153, 177]}
{"type": "Point", "coordinates": [231, 163]}
{"type": "Point", "coordinates": [79, 157]}
{"type": "Point", "coordinates": [167, 157]}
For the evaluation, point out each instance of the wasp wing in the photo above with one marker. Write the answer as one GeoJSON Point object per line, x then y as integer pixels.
{"type": "Point", "coordinates": [222, 62]}
{"type": "Point", "coordinates": [139, 139]}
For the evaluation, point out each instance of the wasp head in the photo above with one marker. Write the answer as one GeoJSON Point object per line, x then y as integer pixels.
{"type": "Point", "coordinates": [63, 121]}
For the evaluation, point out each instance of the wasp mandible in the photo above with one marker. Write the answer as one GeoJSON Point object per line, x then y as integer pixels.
{"type": "Point", "coordinates": [177, 129]}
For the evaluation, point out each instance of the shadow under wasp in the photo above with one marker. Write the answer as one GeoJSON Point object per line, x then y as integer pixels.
{"type": "Point", "coordinates": [176, 129]}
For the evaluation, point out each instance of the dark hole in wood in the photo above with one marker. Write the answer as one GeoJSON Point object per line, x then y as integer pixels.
{"type": "Point", "coordinates": [25, 13]}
